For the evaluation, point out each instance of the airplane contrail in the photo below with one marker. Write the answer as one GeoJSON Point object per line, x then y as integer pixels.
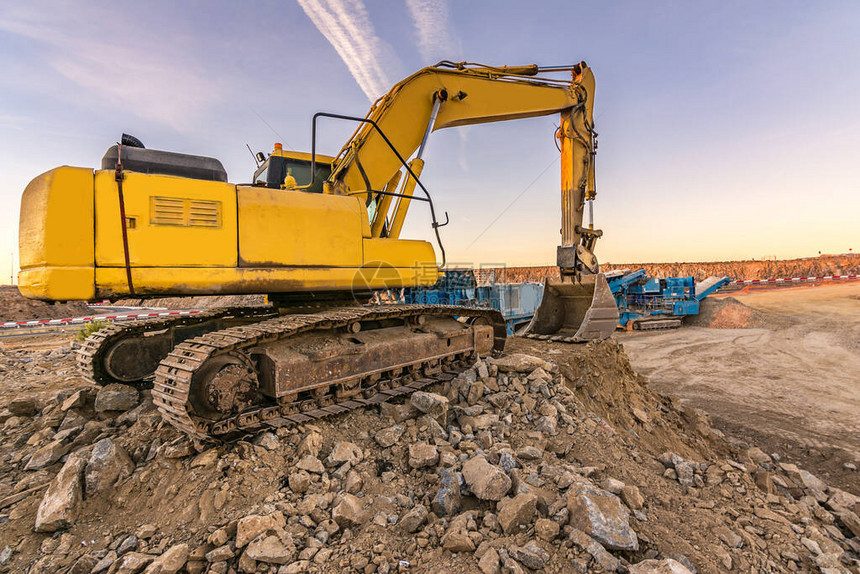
{"type": "Point", "coordinates": [347, 27]}
{"type": "Point", "coordinates": [433, 26]}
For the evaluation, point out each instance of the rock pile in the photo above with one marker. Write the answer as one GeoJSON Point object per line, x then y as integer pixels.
{"type": "Point", "coordinates": [520, 464]}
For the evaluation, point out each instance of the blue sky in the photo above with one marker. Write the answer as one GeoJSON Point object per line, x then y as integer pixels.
{"type": "Point", "coordinates": [727, 130]}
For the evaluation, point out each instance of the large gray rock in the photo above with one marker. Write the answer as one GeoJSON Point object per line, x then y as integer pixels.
{"type": "Point", "coordinates": [517, 512]}
{"type": "Point", "coordinates": [531, 556]}
{"type": "Point", "coordinates": [521, 363]}
{"type": "Point", "coordinates": [448, 499]}
{"type": "Point", "coordinates": [839, 499]}
{"type": "Point", "coordinates": [812, 483]}
{"type": "Point", "coordinates": [132, 563]}
{"type": "Point", "coordinates": [23, 406]}
{"type": "Point", "coordinates": [253, 525]}
{"type": "Point", "coordinates": [348, 511]}
{"type": "Point", "coordinates": [850, 521]}
{"type": "Point", "coordinates": [414, 519]}
{"type": "Point", "coordinates": [272, 549]}
{"type": "Point", "coordinates": [606, 560]}
{"type": "Point", "coordinates": [48, 455]}
{"type": "Point", "coordinates": [389, 436]}
{"type": "Point", "coordinates": [486, 481]}
{"type": "Point", "coordinates": [602, 516]}
{"type": "Point", "coordinates": [421, 455]}
{"type": "Point", "coordinates": [430, 403]}
{"type": "Point", "coordinates": [667, 566]}
{"type": "Point", "coordinates": [345, 451]}
{"type": "Point", "coordinates": [73, 419]}
{"type": "Point", "coordinates": [170, 562]}
{"type": "Point", "coordinates": [108, 464]}
{"type": "Point", "coordinates": [116, 397]}
{"type": "Point", "coordinates": [59, 507]}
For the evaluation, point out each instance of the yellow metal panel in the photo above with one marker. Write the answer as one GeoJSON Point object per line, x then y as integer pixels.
{"type": "Point", "coordinates": [56, 224]}
{"type": "Point", "coordinates": [403, 254]}
{"type": "Point", "coordinates": [220, 280]}
{"type": "Point", "coordinates": [303, 156]}
{"type": "Point", "coordinates": [201, 232]}
{"type": "Point", "coordinates": [57, 283]}
{"type": "Point", "coordinates": [279, 227]}
{"type": "Point", "coordinates": [56, 236]}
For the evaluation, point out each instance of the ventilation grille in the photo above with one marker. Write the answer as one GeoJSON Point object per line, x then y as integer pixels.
{"type": "Point", "coordinates": [185, 212]}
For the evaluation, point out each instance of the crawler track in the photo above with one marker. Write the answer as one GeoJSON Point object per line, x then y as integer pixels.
{"type": "Point", "coordinates": [173, 379]}
{"type": "Point", "coordinates": [655, 325]}
{"type": "Point", "coordinates": [92, 354]}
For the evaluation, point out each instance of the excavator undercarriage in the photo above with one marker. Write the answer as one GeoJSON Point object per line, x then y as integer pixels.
{"type": "Point", "coordinates": [296, 367]}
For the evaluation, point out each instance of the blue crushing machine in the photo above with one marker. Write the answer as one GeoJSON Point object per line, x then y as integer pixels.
{"type": "Point", "coordinates": [516, 301]}
{"type": "Point", "coordinates": [650, 303]}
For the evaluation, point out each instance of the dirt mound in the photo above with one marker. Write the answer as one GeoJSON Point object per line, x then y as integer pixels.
{"type": "Point", "coordinates": [15, 307]}
{"type": "Point", "coordinates": [726, 313]}
{"type": "Point", "coordinates": [553, 458]}
{"type": "Point", "coordinates": [729, 313]}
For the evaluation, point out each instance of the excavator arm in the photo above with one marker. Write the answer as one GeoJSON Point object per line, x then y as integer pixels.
{"type": "Point", "coordinates": [449, 95]}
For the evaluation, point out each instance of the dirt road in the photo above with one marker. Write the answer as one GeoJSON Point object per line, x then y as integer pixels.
{"type": "Point", "coordinates": [791, 383]}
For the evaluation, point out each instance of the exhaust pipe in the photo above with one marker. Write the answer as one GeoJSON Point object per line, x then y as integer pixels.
{"type": "Point", "coordinates": [573, 312]}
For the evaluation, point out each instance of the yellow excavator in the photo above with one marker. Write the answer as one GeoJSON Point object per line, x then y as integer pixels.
{"type": "Point", "coordinates": [320, 235]}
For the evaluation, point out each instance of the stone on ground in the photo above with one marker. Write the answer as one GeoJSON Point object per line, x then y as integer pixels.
{"type": "Point", "coordinates": [486, 481]}
{"type": "Point", "coordinates": [59, 507]}
{"type": "Point", "coordinates": [116, 397]}
{"type": "Point", "coordinates": [107, 465]}
{"type": "Point", "coordinates": [602, 516]}
{"type": "Point", "coordinates": [667, 566]}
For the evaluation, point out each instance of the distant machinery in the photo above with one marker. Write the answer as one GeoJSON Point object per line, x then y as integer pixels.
{"type": "Point", "coordinates": [643, 302]}
{"type": "Point", "coordinates": [516, 301]}
{"type": "Point", "coordinates": [650, 303]}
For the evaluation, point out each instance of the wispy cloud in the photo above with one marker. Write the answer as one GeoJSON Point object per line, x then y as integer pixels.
{"type": "Point", "coordinates": [135, 72]}
{"type": "Point", "coordinates": [433, 27]}
{"type": "Point", "coordinates": [347, 26]}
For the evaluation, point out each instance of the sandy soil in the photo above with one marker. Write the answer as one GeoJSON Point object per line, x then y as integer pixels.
{"type": "Point", "coordinates": [789, 381]}
{"type": "Point", "coordinates": [14, 307]}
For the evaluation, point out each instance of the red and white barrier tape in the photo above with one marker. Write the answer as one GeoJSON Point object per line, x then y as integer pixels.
{"type": "Point", "coordinates": [82, 320]}
{"type": "Point", "coordinates": [794, 279]}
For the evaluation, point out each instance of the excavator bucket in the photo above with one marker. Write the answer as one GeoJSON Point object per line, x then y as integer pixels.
{"type": "Point", "coordinates": [575, 311]}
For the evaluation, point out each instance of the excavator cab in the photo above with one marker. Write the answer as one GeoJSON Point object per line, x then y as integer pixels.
{"type": "Point", "coordinates": [281, 164]}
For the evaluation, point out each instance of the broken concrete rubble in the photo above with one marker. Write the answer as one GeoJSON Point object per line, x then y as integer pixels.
{"type": "Point", "coordinates": [490, 490]}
